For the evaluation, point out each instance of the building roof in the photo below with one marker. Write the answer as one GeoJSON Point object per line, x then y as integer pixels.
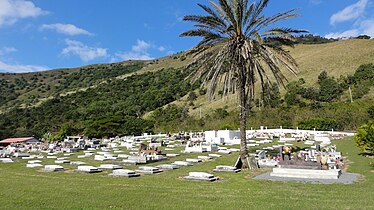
{"type": "Point", "coordinates": [16, 140]}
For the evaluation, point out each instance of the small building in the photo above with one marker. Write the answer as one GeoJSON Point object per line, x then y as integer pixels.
{"type": "Point", "coordinates": [24, 140]}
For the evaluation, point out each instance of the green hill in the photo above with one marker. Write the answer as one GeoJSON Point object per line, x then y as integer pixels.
{"type": "Point", "coordinates": [120, 98]}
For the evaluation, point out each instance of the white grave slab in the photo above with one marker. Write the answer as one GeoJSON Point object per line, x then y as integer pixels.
{"type": "Point", "coordinates": [200, 176]}
{"type": "Point", "coordinates": [167, 166]}
{"type": "Point", "coordinates": [172, 155]}
{"type": "Point", "coordinates": [214, 155]}
{"type": "Point", "coordinates": [193, 160]}
{"type": "Point", "coordinates": [62, 161]}
{"type": "Point", "coordinates": [202, 157]}
{"type": "Point", "coordinates": [88, 169]}
{"type": "Point", "coordinates": [6, 160]}
{"type": "Point", "coordinates": [224, 151]}
{"type": "Point", "coordinates": [110, 167]}
{"type": "Point", "coordinates": [33, 165]}
{"type": "Point", "coordinates": [223, 168]}
{"type": "Point", "coordinates": [182, 163]}
{"type": "Point", "coordinates": [50, 168]}
{"type": "Point", "coordinates": [124, 173]}
{"type": "Point", "coordinates": [148, 170]}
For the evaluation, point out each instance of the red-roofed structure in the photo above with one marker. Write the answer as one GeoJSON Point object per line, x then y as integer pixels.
{"type": "Point", "coordinates": [26, 140]}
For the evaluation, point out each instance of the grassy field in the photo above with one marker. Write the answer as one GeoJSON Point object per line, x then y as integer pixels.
{"type": "Point", "coordinates": [23, 188]}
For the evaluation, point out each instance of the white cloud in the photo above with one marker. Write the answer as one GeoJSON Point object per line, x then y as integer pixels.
{"type": "Point", "coordinates": [161, 48]}
{"type": "Point", "coordinates": [85, 52]}
{"type": "Point", "coordinates": [141, 46]}
{"type": "Point", "coordinates": [367, 27]}
{"type": "Point", "coordinates": [351, 12]}
{"type": "Point", "coordinates": [16, 68]}
{"type": "Point", "coordinates": [13, 10]}
{"type": "Point", "coordinates": [6, 50]}
{"type": "Point", "coordinates": [68, 29]}
{"type": "Point", "coordinates": [345, 34]}
{"type": "Point", "coordinates": [139, 51]}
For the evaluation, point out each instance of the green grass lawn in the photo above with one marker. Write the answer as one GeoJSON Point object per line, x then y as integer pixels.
{"type": "Point", "coordinates": [24, 188]}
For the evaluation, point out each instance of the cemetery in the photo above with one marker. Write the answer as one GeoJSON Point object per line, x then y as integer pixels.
{"type": "Point", "coordinates": [316, 157]}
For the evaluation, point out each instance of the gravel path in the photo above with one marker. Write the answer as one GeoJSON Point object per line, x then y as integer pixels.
{"type": "Point", "coordinates": [345, 178]}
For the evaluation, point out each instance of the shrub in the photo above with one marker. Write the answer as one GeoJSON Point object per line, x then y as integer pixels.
{"type": "Point", "coordinates": [364, 137]}
{"type": "Point", "coordinates": [319, 124]}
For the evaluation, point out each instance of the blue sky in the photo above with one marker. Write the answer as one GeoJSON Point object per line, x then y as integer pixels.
{"type": "Point", "coordinates": [38, 35]}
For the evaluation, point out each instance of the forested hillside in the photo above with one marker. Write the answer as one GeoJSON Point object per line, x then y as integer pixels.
{"type": "Point", "coordinates": [133, 97]}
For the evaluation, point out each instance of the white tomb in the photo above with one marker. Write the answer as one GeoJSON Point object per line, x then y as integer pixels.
{"type": "Point", "coordinates": [214, 155]}
{"type": "Point", "coordinates": [50, 168]}
{"type": "Point", "coordinates": [124, 173]}
{"type": "Point", "coordinates": [148, 170]}
{"type": "Point", "coordinates": [222, 168]}
{"type": "Point", "coordinates": [306, 173]}
{"type": "Point", "coordinates": [33, 165]}
{"type": "Point", "coordinates": [6, 160]}
{"type": "Point", "coordinates": [182, 163]}
{"type": "Point", "coordinates": [200, 176]}
{"type": "Point", "coordinates": [88, 169]}
{"type": "Point", "coordinates": [193, 160]}
{"type": "Point", "coordinates": [167, 166]}
{"type": "Point", "coordinates": [62, 161]}
{"type": "Point", "coordinates": [172, 155]}
{"type": "Point", "coordinates": [110, 166]}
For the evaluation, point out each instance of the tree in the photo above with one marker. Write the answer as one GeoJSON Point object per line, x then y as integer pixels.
{"type": "Point", "coordinates": [237, 46]}
{"type": "Point", "coordinates": [365, 137]}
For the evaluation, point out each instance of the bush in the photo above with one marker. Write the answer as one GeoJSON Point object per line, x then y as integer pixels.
{"type": "Point", "coordinates": [364, 137]}
{"type": "Point", "coordinates": [319, 124]}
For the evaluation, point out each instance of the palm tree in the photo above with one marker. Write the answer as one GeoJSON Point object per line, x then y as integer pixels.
{"type": "Point", "coordinates": [237, 47]}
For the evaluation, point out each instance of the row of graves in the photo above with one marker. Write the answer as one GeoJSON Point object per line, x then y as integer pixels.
{"type": "Point", "coordinates": [129, 156]}
{"type": "Point", "coordinates": [120, 157]}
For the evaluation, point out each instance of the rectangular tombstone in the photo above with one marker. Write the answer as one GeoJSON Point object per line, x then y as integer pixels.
{"type": "Point", "coordinates": [172, 155]}
{"type": "Point", "coordinates": [204, 157]}
{"type": "Point", "coordinates": [193, 160]}
{"type": "Point", "coordinates": [214, 155]}
{"type": "Point", "coordinates": [167, 166]}
{"type": "Point", "coordinates": [62, 161]}
{"type": "Point", "coordinates": [33, 165]}
{"type": "Point", "coordinates": [6, 160]}
{"type": "Point", "coordinates": [222, 168]}
{"type": "Point", "coordinates": [182, 163]}
{"type": "Point", "coordinates": [50, 168]}
{"type": "Point", "coordinates": [124, 173]}
{"type": "Point", "coordinates": [88, 169]}
{"type": "Point", "coordinates": [200, 176]}
{"type": "Point", "coordinates": [148, 170]}
{"type": "Point", "coordinates": [110, 166]}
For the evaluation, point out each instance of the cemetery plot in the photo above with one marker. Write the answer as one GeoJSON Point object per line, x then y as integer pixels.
{"type": "Point", "coordinates": [124, 173]}
{"type": "Point", "coordinates": [200, 176]}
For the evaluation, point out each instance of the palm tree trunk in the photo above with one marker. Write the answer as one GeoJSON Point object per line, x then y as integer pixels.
{"type": "Point", "coordinates": [243, 123]}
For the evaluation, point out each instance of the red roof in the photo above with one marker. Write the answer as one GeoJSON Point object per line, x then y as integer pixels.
{"type": "Point", "coordinates": [16, 140]}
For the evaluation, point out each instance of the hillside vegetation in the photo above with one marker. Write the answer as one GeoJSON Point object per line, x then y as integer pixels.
{"type": "Point", "coordinates": [132, 97]}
